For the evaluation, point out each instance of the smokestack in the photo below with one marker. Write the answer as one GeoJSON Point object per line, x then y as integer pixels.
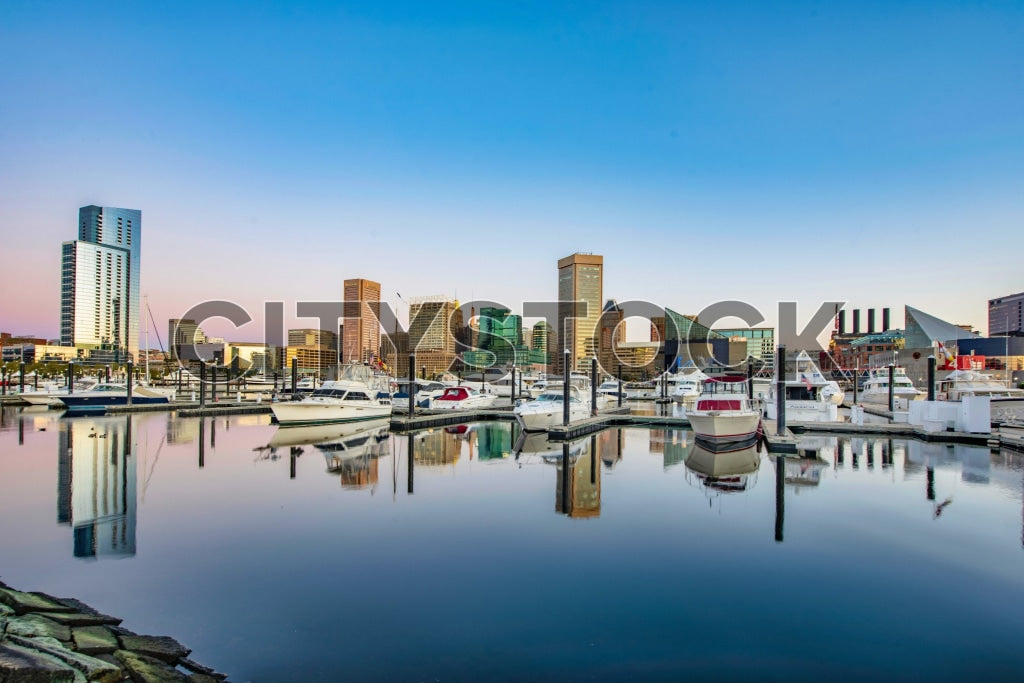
{"type": "Point", "coordinates": [871, 321]}
{"type": "Point", "coordinates": [885, 320]}
{"type": "Point", "coordinates": [856, 321]}
{"type": "Point", "coordinates": [842, 322]}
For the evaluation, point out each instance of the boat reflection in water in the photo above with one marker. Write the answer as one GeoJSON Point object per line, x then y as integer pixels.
{"type": "Point", "coordinates": [351, 449]}
{"type": "Point", "coordinates": [728, 471]}
{"type": "Point", "coordinates": [96, 485]}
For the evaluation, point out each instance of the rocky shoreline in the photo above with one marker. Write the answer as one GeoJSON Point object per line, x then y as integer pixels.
{"type": "Point", "coordinates": [44, 639]}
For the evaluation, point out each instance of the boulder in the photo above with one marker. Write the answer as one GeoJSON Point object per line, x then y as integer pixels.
{"type": "Point", "coordinates": [22, 603]}
{"type": "Point", "coordinates": [25, 665]}
{"type": "Point", "coordinates": [94, 640]}
{"type": "Point", "coordinates": [164, 648]}
{"type": "Point", "coordinates": [93, 669]}
{"type": "Point", "coordinates": [34, 625]}
{"type": "Point", "coordinates": [143, 669]}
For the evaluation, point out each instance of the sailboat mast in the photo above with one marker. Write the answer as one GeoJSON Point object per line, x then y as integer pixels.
{"type": "Point", "coordinates": [146, 297]}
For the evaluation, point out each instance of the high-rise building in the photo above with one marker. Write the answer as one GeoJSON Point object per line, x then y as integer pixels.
{"type": "Point", "coordinates": [434, 322]}
{"type": "Point", "coordinates": [361, 342]}
{"type": "Point", "coordinates": [580, 279]}
{"type": "Point", "coordinates": [99, 296]}
{"type": "Point", "coordinates": [1006, 315]}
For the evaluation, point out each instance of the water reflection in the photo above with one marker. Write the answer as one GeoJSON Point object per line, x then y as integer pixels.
{"type": "Point", "coordinates": [96, 485]}
{"type": "Point", "coordinates": [578, 485]}
{"type": "Point", "coordinates": [351, 450]}
{"type": "Point", "coordinates": [727, 471]}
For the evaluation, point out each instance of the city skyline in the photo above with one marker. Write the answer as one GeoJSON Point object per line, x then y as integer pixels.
{"type": "Point", "coordinates": [464, 150]}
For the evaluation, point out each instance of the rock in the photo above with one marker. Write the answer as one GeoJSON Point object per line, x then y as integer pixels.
{"type": "Point", "coordinates": [203, 678]}
{"type": "Point", "coordinates": [143, 669]}
{"type": "Point", "coordinates": [163, 648]}
{"type": "Point", "coordinates": [93, 669]}
{"type": "Point", "coordinates": [94, 640]}
{"type": "Point", "coordinates": [25, 665]}
{"type": "Point", "coordinates": [23, 603]}
{"type": "Point", "coordinates": [82, 619]}
{"type": "Point", "coordinates": [34, 625]}
{"type": "Point", "coordinates": [196, 667]}
{"type": "Point", "coordinates": [5, 611]}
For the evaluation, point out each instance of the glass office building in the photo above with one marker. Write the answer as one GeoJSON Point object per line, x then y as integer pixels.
{"type": "Point", "coordinates": [99, 298]}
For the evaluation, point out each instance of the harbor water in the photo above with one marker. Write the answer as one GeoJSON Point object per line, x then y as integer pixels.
{"type": "Point", "coordinates": [470, 553]}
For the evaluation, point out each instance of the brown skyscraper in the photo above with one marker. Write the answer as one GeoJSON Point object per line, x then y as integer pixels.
{"type": "Point", "coordinates": [580, 278]}
{"type": "Point", "coordinates": [361, 334]}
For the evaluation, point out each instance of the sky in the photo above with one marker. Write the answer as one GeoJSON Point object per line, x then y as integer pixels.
{"type": "Point", "coordinates": [865, 152]}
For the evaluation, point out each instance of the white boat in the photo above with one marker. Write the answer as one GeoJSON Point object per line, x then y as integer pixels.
{"type": "Point", "coordinates": [876, 386]}
{"type": "Point", "coordinates": [357, 394]}
{"type": "Point", "coordinates": [50, 393]}
{"type": "Point", "coordinates": [810, 396]}
{"type": "Point", "coordinates": [640, 390]}
{"type": "Point", "coordinates": [462, 398]}
{"type": "Point", "coordinates": [683, 386]}
{"type": "Point", "coordinates": [610, 390]}
{"type": "Point", "coordinates": [551, 383]}
{"type": "Point", "coordinates": [547, 410]}
{"type": "Point", "coordinates": [1006, 402]}
{"type": "Point", "coordinates": [723, 415]}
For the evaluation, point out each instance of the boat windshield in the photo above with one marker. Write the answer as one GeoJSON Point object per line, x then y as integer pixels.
{"type": "Point", "coordinates": [356, 373]}
{"type": "Point", "coordinates": [550, 397]}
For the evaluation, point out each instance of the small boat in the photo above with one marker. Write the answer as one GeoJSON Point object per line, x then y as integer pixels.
{"type": "Point", "coordinates": [425, 392]}
{"type": "Point", "coordinates": [640, 390]}
{"type": "Point", "coordinates": [547, 410]}
{"type": "Point", "coordinates": [723, 415]}
{"type": "Point", "coordinates": [809, 395]}
{"type": "Point", "coordinates": [51, 393]}
{"type": "Point", "coordinates": [876, 386]}
{"type": "Point", "coordinates": [358, 394]}
{"type": "Point", "coordinates": [462, 398]}
{"type": "Point", "coordinates": [683, 386]}
{"type": "Point", "coordinates": [1006, 403]}
{"type": "Point", "coordinates": [96, 400]}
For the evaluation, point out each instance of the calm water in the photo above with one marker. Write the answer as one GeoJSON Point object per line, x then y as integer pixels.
{"type": "Point", "coordinates": [884, 559]}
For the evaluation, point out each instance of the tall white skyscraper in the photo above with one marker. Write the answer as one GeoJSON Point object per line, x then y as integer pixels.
{"type": "Point", "coordinates": [99, 295]}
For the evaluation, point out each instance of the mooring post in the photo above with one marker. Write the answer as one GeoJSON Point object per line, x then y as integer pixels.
{"type": "Point", "coordinates": [3, 381]}
{"type": "Point", "coordinates": [892, 389]}
{"type": "Point", "coordinates": [21, 378]}
{"type": "Point", "coordinates": [35, 380]}
{"type": "Point", "coordinates": [412, 391]}
{"type": "Point", "coordinates": [931, 378]}
{"type": "Point", "coordinates": [295, 376]}
{"type": "Point", "coordinates": [750, 379]}
{"type": "Point", "coordinates": [512, 386]}
{"type": "Point", "coordinates": [202, 388]}
{"type": "Point", "coordinates": [129, 384]}
{"type": "Point", "coordinates": [71, 377]}
{"type": "Point", "coordinates": [780, 391]}
{"type": "Point", "coordinates": [565, 390]}
{"type": "Point", "coordinates": [593, 386]}
{"type": "Point", "coordinates": [619, 376]}
{"type": "Point", "coordinates": [213, 382]}
{"type": "Point", "coordinates": [780, 496]}
{"type": "Point", "coordinates": [856, 381]}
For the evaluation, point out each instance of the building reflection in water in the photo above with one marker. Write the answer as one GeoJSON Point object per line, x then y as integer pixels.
{"type": "Point", "coordinates": [96, 485]}
{"type": "Point", "coordinates": [351, 450]}
{"type": "Point", "coordinates": [578, 484]}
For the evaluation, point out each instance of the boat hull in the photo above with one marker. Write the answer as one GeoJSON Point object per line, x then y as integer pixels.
{"type": "Point", "coordinates": [302, 413]}
{"type": "Point", "coordinates": [535, 421]}
{"type": "Point", "coordinates": [98, 405]}
{"type": "Point", "coordinates": [724, 428]}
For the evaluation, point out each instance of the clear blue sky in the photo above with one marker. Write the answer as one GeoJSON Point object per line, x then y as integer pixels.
{"type": "Point", "coordinates": [870, 152]}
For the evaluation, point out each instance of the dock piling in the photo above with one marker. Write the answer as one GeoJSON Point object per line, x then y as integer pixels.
{"type": "Point", "coordinates": [21, 378]}
{"type": "Point", "coordinates": [202, 384]}
{"type": "Point", "coordinates": [593, 386]}
{"type": "Point", "coordinates": [780, 392]}
{"type": "Point", "coordinates": [619, 377]}
{"type": "Point", "coordinates": [129, 384]}
{"type": "Point", "coordinates": [565, 390]}
{"type": "Point", "coordinates": [750, 379]}
{"type": "Point", "coordinates": [412, 389]}
{"type": "Point", "coordinates": [892, 389]}
{"type": "Point", "coordinates": [931, 378]}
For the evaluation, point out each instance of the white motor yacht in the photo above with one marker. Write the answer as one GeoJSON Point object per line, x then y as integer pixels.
{"type": "Point", "coordinates": [723, 415]}
{"type": "Point", "coordinates": [1006, 402]}
{"type": "Point", "coordinates": [462, 398]}
{"type": "Point", "coordinates": [357, 394]}
{"type": "Point", "coordinates": [547, 410]}
{"type": "Point", "coordinates": [876, 386]}
{"type": "Point", "coordinates": [810, 396]}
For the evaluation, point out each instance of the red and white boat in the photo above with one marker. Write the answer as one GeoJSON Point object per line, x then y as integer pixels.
{"type": "Point", "coordinates": [723, 414]}
{"type": "Point", "coordinates": [462, 398]}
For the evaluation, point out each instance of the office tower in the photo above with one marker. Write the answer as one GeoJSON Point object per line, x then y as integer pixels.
{"type": "Point", "coordinates": [1006, 315]}
{"type": "Point", "coordinates": [434, 322]}
{"type": "Point", "coordinates": [580, 279]}
{"type": "Point", "coordinates": [361, 340]}
{"type": "Point", "coordinates": [99, 297]}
